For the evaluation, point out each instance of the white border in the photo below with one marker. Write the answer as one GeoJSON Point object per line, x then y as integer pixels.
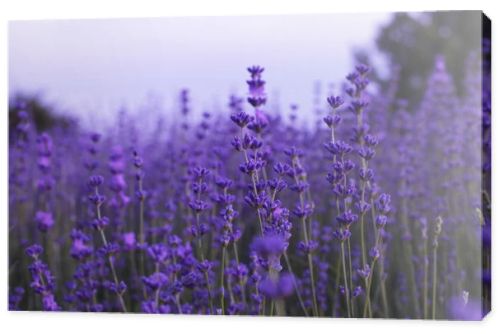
{"type": "Point", "coordinates": [102, 323]}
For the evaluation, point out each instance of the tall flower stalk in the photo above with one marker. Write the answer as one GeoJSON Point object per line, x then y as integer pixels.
{"type": "Point", "coordinates": [108, 249]}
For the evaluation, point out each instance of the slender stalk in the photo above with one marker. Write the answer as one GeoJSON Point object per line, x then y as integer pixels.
{"type": "Point", "coordinates": [271, 308]}
{"type": "Point", "coordinates": [199, 244]}
{"type": "Point", "coordinates": [141, 235]}
{"type": "Point", "coordinates": [426, 274]}
{"type": "Point", "coordinates": [301, 301]}
{"type": "Point", "coordinates": [113, 271]}
{"type": "Point", "coordinates": [222, 279]}
{"type": "Point", "coordinates": [313, 286]}
{"type": "Point", "coordinates": [383, 290]}
{"type": "Point", "coordinates": [141, 227]}
{"type": "Point", "coordinates": [337, 283]}
{"type": "Point", "coordinates": [367, 307]}
{"type": "Point", "coordinates": [349, 263]}
{"type": "Point", "coordinates": [434, 283]}
{"type": "Point", "coordinates": [362, 228]}
{"type": "Point", "coordinates": [157, 292]}
{"type": "Point", "coordinates": [306, 238]}
{"type": "Point", "coordinates": [280, 308]}
{"type": "Point", "coordinates": [380, 262]}
{"type": "Point", "coordinates": [254, 178]}
{"type": "Point", "coordinates": [361, 142]}
{"type": "Point", "coordinates": [346, 288]}
{"type": "Point", "coordinates": [242, 283]}
{"type": "Point", "coordinates": [202, 257]}
{"type": "Point", "coordinates": [408, 251]}
{"type": "Point", "coordinates": [437, 232]}
{"type": "Point", "coordinates": [367, 311]}
{"type": "Point", "coordinates": [110, 258]}
{"type": "Point", "coordinates": [177, 297]}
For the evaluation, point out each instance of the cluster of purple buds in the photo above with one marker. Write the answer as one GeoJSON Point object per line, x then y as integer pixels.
{"type": "Point", "coordinates": [185, 108]}
{"type": "Point", "coordinates": [91, 162]}
{"type": "Point", "coordinates": [257, 98]}
{"type": "Point", "coordinates": [15, 297]}
{"type": "Point", "coordinates": [277, 288]}
{"type": "Point", "coordinates": [118, 182]}
{"type": "Point", "coordinates": [80, 248]}
{"type": "Point", "coordinates": [44, 220]}
{"type": "Point", "coordinates": [42, 280]}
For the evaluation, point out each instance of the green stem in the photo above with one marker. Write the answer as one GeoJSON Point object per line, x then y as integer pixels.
{"type": "Point", "coordinates": [367, 309]}
{"type": "Point", "coordinates": [426, 274]}
{"type": "Point", "coordinates": [349, 263]}
{"type": "Point", "coordinates": [437, 232]}
{"type": "Point", "coordinates": [306, 238]}
{"type": "Point", "coordinates": [222, 279]}
{"type": "Point", "coordinates": [110, 258]}
{"type": "Point", "coordinates": [301, 301]}
{"type": "Point", "coordinates": [434, 283]}
{"type": "Point", "coordinates": [113, 271]}
{"type": "Point", "coordinates": [346, 287]}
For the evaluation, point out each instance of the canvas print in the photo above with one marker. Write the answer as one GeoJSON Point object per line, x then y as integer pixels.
{"type": "Point", "coordinates": [328, 165]}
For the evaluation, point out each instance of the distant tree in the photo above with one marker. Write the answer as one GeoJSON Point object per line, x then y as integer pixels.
{"type": "Point", "coordinates": [43, 116]}
{"type": "Point", "coordinates": [412, 41]}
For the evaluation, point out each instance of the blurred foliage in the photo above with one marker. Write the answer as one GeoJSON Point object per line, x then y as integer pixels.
{"type": "Point", "coordinates": [42, 115]}
{"type": "Point", "coordinates": [412, 41]}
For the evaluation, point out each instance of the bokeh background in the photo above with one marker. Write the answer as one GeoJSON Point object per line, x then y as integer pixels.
{"type": "Point", "coordinates": [89, 70]}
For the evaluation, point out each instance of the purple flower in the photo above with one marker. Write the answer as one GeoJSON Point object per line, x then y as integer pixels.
{"type": "Point", "coordinates": [44, 220]}
{"type": "Point", "coordinates": [42, 281]}
{"type": "Point", "coordinates": [381, 221]}
{"type": "Point", "coordinates": [271, 245]}
{"type": "Point", "coordinates": [277, 287]}
{"type": "Point", "coordinates": [332, 121]}
{"type": "Point", "coordinates": [358, 105]}
{"type": "Point", "coordinates": [366, 153]}
{"type": "Point", "coordinates": [80, 249]}
{"type": "Point", "coordinates": [362, 207]}
{"type": "Point", "coordinates": [109, 249]}
{"type": "Point", "coordinates": [34, 251]}
{"type": "Point", "coordinates": [384, 203]}
{"type": "Point", "coordinates": [49, 303]}
{"type": "Point", "coordinates": [119, 288]}
{"type": "Point", "coordinates": [255, 71]}
{"type": "Point", "coordinates": [366, 175]}
{"type": "Point", "coordinates": [100, 223]}
{"type": "Point", "coordinates": [155, 281]}
{"type": "Point", "coordinates": [335, 101]}
{"type": "Point", "coordinates": [338, 148]}
{"type": "Point", "coordinates": [198, 205]}
{"type": "Point", "coordinates": [347, 218]}
{"type": "Point", "coordinates": [308, 247]}
{"type": "Point", "coordinates": [371, 140]}
{"type": "Point", "coordinates": [342, 235]}
{"type": "Point", "coordinates": [15, 297]}
{"type": "Point", "coordinates": [97, 199]}
{"type": "Point", "coordinates": [158, 253]}
{"type": "Point", "coordinates": [241, 119]}
{"type": "Point", "coordinates": [95, 181]}
{"type": "Point", "coordinates": [362, 69]}
{"type": "Point", "coordinates": [252, 166]}
{"type": "Point", "coordinates": [364, 272]}
{"type": "Point", "coordinates": [357, 291]}
{"type": "Point", "coordinates": [374, 253]}
{"type": "Point", "coordinates": [461, 309]}
{"type": "Point", "coordinates": [129, 240]}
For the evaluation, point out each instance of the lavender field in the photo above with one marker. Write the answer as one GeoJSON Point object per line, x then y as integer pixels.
{"type": "Point", "coordinates": [376, 206]}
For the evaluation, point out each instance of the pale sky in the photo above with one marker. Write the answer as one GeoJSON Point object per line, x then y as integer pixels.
{"type": "Point", "coordinates": [91, 67]}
